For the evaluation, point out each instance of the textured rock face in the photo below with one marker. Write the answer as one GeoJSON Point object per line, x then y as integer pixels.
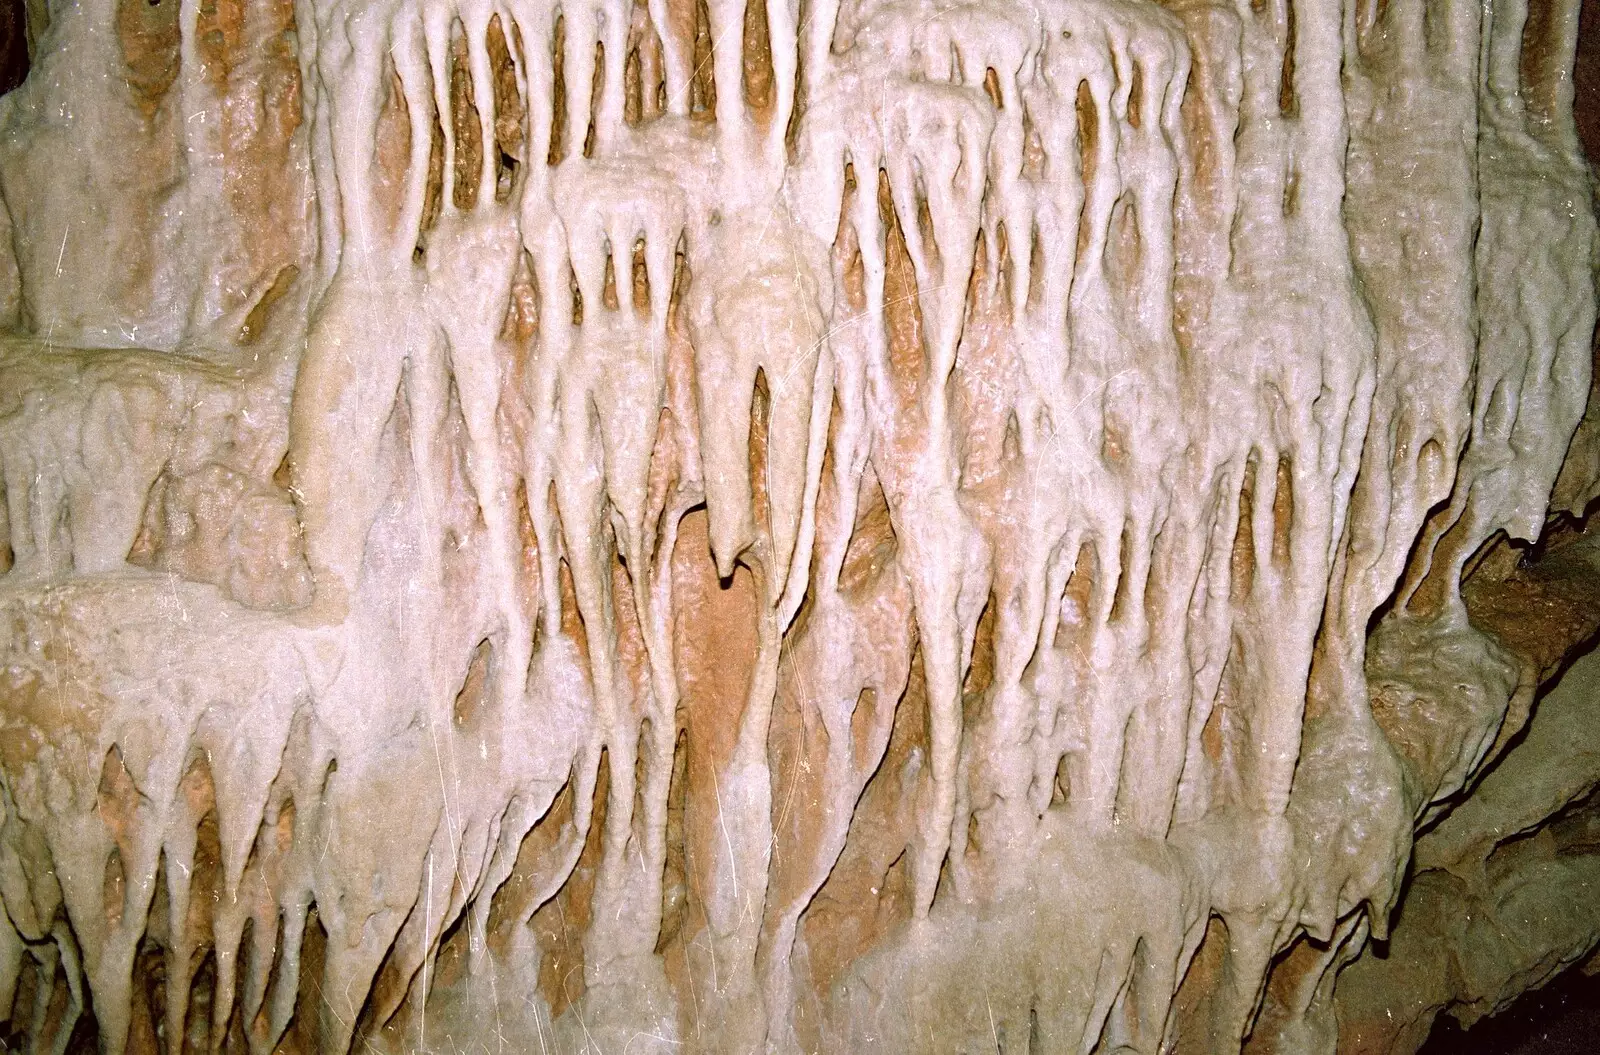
{"type": "Point", "coordinates": [795, 526]}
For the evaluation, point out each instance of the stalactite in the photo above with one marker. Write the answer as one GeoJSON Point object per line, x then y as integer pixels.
{"type": "Point", "coordinates": [892, 525]}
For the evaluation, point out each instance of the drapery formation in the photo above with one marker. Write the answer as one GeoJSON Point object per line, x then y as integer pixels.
{"type": "Point", "coordinates": [786, 525]}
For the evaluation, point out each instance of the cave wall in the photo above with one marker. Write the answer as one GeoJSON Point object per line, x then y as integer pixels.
{"type": "Point", "coordinates": [797, 526]}
{"type": "Point", "coordinates": [1501, 899]}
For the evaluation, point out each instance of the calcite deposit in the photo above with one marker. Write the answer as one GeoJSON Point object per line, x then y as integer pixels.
{"type": "Point", "coordinates": [793, 525]}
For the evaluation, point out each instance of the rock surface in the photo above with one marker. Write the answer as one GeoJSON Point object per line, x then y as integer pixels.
{"type": "Point", "coordinates": [793, 525]}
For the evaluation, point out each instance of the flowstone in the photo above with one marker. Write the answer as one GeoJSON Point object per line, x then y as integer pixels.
{"type": "Point", "coordinates": [793, 525]}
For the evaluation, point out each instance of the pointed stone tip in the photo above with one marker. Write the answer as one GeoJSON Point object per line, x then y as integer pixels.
{"type": "Point", "coordinates": [725, 558]}
{"type": "Point", "coordinates": [730, 537]}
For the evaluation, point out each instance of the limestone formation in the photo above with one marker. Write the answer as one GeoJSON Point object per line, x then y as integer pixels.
{"type": "Point", "coordinates": [792, 525]}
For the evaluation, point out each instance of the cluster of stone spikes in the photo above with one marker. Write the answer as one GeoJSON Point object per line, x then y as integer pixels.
{"type": "Point", "coordinates": [785, 525]}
